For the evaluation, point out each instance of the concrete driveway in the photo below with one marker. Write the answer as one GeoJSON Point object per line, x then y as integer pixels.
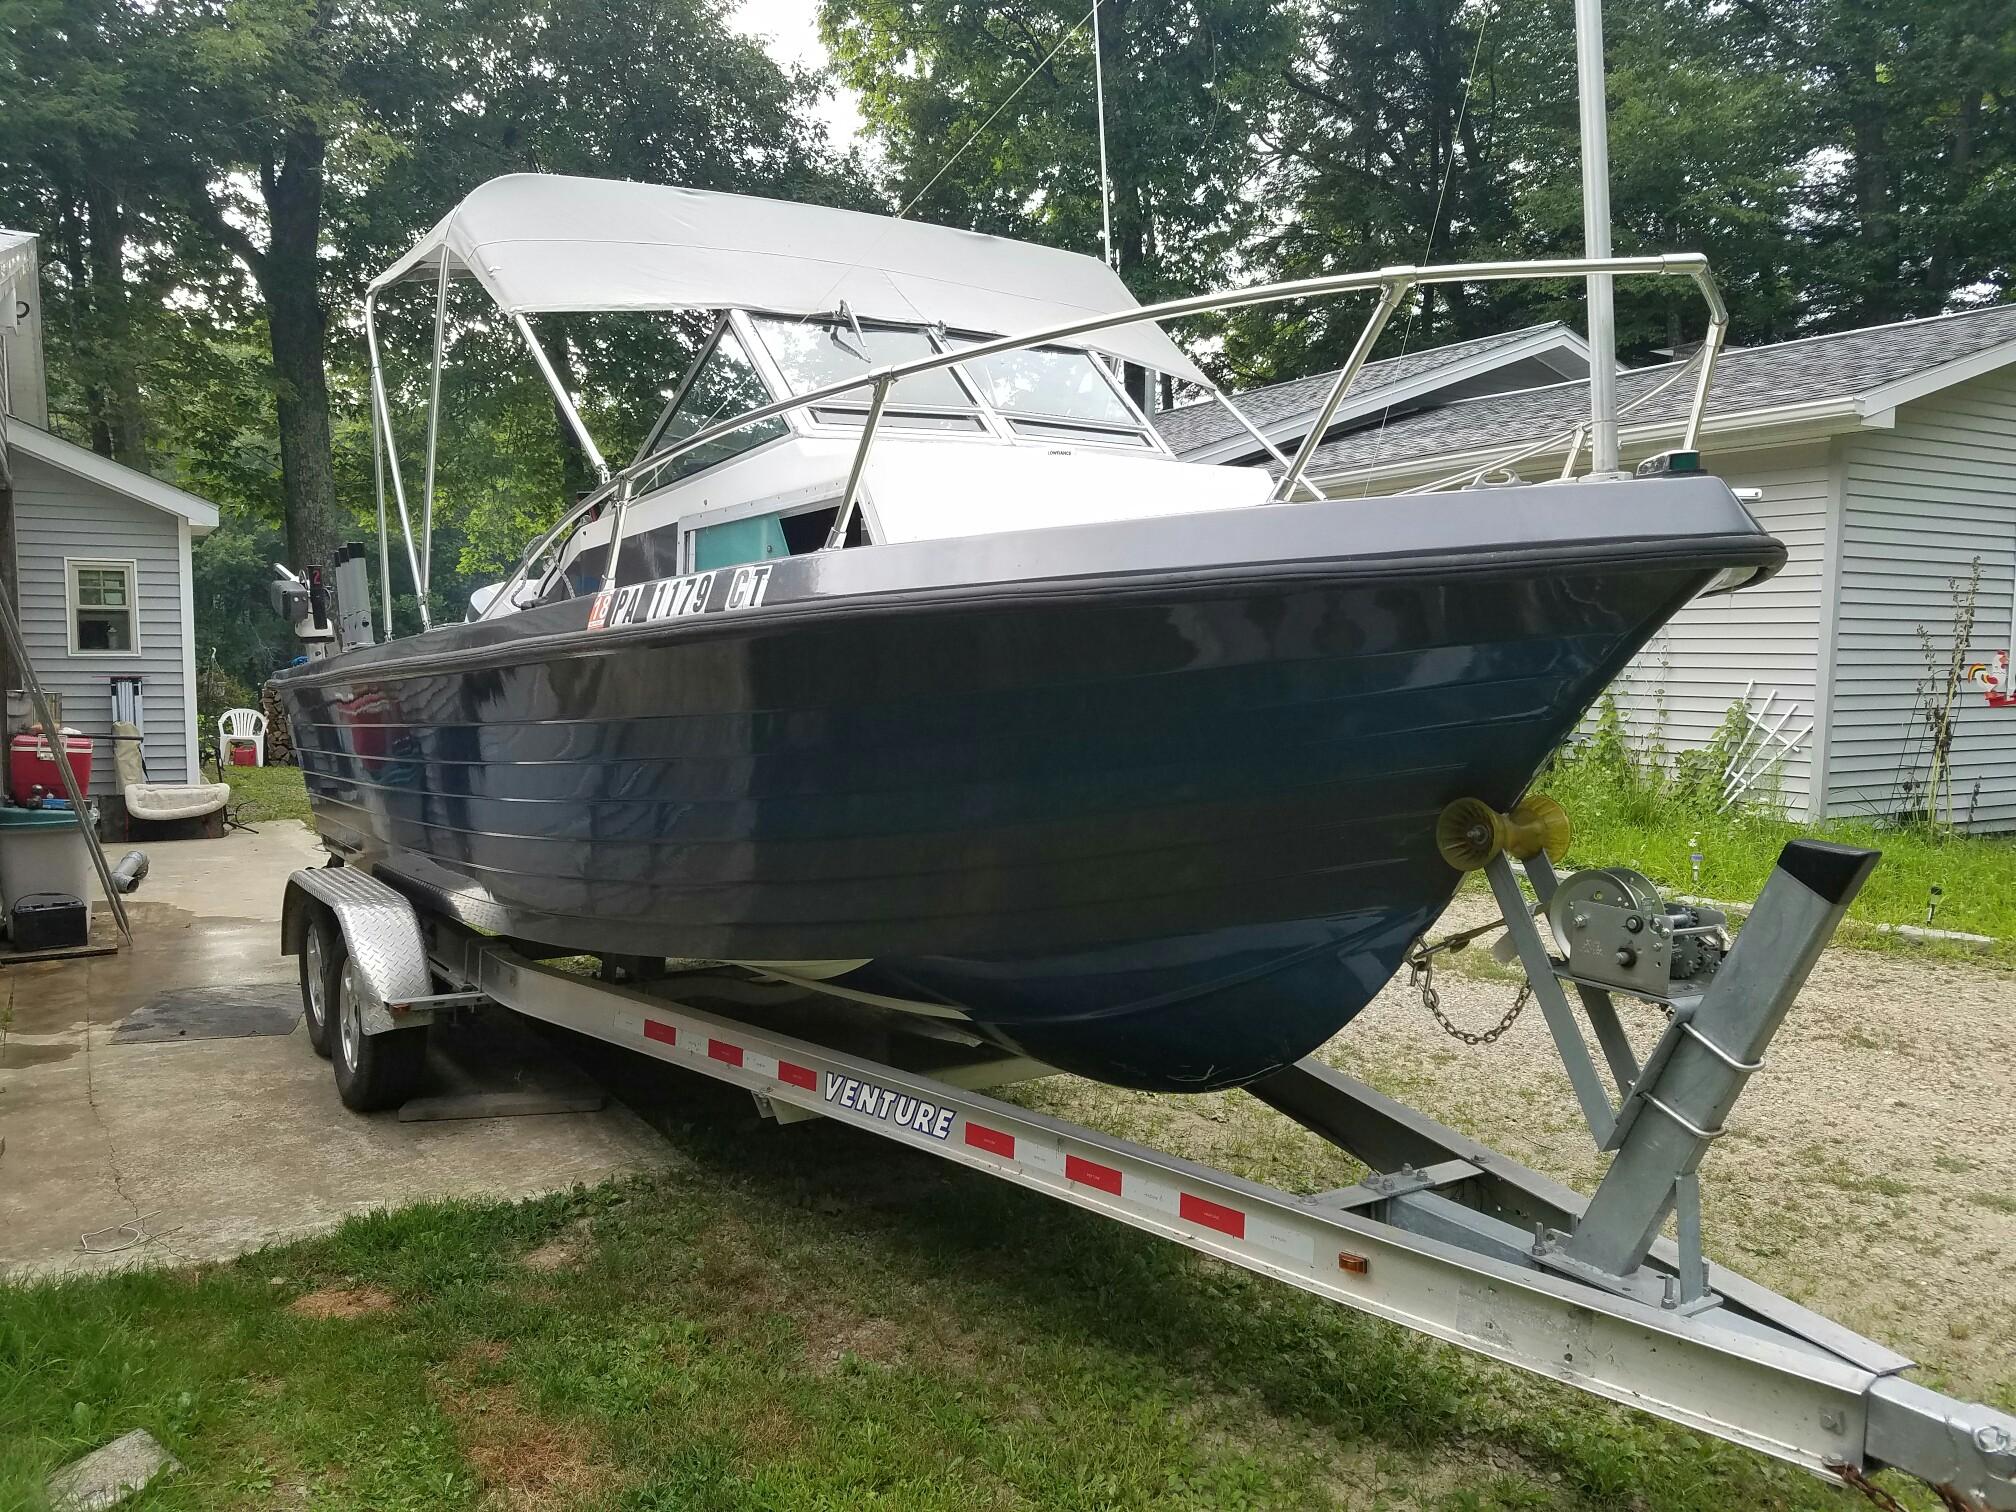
{"type": "Point", "coordinates": [196, 1149]}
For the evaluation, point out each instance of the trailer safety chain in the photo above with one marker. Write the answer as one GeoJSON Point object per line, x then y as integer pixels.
{"type": "Point", "coordinates": [1421, 975]}
{"type": "Point", "coordinates": [1876, 1494]}
{"type": "Point", "coordinates": [1952, 1500]}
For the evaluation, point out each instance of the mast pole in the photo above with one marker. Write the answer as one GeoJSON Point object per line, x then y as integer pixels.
{"type": "Point", "coordinates": [1603, 454]}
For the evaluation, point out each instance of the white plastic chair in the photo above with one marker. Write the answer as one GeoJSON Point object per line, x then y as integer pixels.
{"type": "Point", "coordinates": [235, 726]}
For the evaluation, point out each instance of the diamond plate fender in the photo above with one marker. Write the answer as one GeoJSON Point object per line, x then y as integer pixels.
{"type": "Point", "coordinates": [381, 930]}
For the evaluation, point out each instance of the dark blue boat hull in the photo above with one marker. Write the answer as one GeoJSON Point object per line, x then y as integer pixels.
{"type": "Point", "coordinates": [1170, 829]}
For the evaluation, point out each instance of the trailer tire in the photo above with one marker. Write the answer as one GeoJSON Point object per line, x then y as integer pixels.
{"type": "Point", "coordinates": [322, 955]}
{"type": "Point", "coordinates": [373, 1071]}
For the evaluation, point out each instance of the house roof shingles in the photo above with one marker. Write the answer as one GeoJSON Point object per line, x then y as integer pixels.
{"type": "Point", "coordinates": [1810, 370]}
{"type": "Point", "coordinates": [1205, 423]}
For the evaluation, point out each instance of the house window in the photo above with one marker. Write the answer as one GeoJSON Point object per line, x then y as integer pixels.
{"type": "Point", "coordinates": [102, 615]}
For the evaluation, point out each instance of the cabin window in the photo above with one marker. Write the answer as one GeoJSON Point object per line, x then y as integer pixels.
{"type": "Point", "coordinates": [811, 354]}
{"type": "Point", "coordinates": [756, 538]}
{"type": "Point", "coordinates": [1052, 393]}
{"type": "Point", "coordinates": [724, 385]}
{"type": "Point", "coordinates": [103, 617]}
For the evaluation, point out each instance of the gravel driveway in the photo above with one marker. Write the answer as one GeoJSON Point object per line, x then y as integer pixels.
{"type": "Point", "coordinates": [1869, 1171]}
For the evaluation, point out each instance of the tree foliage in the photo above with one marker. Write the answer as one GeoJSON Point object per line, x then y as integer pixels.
{"type": "Point", "coordinates": [216, 181]}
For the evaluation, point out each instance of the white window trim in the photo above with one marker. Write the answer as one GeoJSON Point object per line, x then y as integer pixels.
{"type": "Point", "coordinates": [71, 606]}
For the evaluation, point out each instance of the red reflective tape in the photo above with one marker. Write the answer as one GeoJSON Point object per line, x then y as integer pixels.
{"type": "Point", "coordinates": [721, 1050]}
{"type": "Point", "coordinates": [983, 1138]}
{"type": "Point", "coordinates": [1092, 1174]}
{"type": "Point", "coordinates": [662, 1032]}
{"type": "Point", "coordinates": [797, 1076]}
{"type": "Point", "coordinates": [1213, 1215]}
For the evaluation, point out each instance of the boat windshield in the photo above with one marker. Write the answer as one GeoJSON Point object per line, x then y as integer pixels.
{"type": "Point", "coordinates": [1055, 393]}
{"type": "Point", "coordinates": [723, 384]}
{"type": "Point", "coordinates": [811, 354]}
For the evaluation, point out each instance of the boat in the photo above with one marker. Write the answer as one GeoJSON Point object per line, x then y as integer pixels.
{"type": "Point", "coordinates": [906, 663]}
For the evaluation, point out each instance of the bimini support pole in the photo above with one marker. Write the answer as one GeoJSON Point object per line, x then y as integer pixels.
{"type": "Point", "coordinates": [560, 398]}
{"type": "Point", "coordinates": [433, 428]}
{"type": "Point", "coordinates": [384, 534]}
{"type": "Point", "coordinates": [383, 412]}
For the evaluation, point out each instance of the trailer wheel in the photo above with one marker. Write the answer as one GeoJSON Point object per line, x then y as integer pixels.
{"type": "Point", "coordinates": [373, 1071]}
{"type": "Point", "coordinates": [322, 955]}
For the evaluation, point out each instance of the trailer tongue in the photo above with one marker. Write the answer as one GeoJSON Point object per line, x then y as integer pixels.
{"type": "Point", "coordinates": [1444, 1235]}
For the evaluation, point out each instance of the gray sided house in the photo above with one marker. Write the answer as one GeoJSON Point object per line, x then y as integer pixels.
{"type": "Point", "coordinates": [102, 559]}
{"type": "Point", "coordinates": [1885, 459]}
{"type": "Point", "coordinates": [102, 555]}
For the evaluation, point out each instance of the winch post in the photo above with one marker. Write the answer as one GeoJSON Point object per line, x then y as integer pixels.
{"type": "Point", "coordinates": [1561, 1023]}
{"type": "Point", "coordinates": [1690, 1097]}
{"type": "Point", "coordinates": [1596, 1004]}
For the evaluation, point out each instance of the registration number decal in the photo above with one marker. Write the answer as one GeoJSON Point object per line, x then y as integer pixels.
{"type": "Point", "coordinates": [680, 597]}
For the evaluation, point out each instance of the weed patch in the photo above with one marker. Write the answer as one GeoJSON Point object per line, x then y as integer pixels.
{"type": "Point", "coordinates": [1636, 808]}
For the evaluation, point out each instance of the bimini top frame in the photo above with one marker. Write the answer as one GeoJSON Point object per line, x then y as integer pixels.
{"type": "Point", "coordinates": [1393, 285]}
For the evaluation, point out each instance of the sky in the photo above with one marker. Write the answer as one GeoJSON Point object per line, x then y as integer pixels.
{"type": "Point", "coordinates": [790, 29]}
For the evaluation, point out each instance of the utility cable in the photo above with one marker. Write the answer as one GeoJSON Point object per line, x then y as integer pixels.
{"type": "Point", "coordinates": [979, 130]}
{"type": "Point", "coordinates": [1434, 220]}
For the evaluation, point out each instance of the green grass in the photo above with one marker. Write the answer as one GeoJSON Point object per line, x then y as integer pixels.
{"type": "Point", "coordinates": [1628, 812]}
{"type": "Point", "coordinates": [800, 1318]}
{"type": "Point", "coordinates": [1977, 875]}
{"type": "Point", "coordinates": [275, 792]}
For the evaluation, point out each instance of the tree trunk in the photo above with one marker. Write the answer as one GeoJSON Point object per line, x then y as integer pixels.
{"type": "Point", "coordinates": [297, 326]}
{"type": "Point", "coordinates": [116, 427]}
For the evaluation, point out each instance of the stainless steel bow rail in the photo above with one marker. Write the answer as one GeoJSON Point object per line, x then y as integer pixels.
{"type": "Point", "coordinates": [1393, 285]}
{"type": "Point", "coordinates": [1443, 1234]}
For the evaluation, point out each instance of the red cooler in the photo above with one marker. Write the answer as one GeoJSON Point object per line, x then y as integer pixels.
{"type": "Point", "coordinates": [32, 764]}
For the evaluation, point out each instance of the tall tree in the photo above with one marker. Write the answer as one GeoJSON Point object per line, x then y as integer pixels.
{"type": "Point", "coordinates": [660, 91]}
{"type": "Point", "coordinates": [1707, 154]}
{"type": "Point", "coordinates": [281, 105]}
{"type": "Point", "coordinates": [1909, 194]}
{"type": "Point", "coordinates": [76, 76]}
{"type": "Point", "coordinates": [1395, 144]}
{"type": "Point", "coordinates": [987, 111]}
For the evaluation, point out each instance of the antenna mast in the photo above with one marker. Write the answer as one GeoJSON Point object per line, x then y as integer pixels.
{"type": "Point", "coordinates": [1596, 237]}
{"type": "Point", "coordinates": [1105, 183]}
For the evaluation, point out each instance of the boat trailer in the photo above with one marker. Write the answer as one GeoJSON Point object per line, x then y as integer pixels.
{"type": "Point", "coordinates": [1443, 1235]}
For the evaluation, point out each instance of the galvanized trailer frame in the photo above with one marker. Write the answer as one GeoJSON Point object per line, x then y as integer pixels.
{"type": "Point", "coordinates": [1445, 1236]}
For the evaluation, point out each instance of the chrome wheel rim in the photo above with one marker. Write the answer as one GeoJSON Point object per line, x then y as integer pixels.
{"type": "Point", "coordinates": [350, 1024]}
{"type": "Point", "coordinates": [318, 1010]}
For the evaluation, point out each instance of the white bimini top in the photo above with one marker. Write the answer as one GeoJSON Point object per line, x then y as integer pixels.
{"type": "Point", "coordinates": [539, 242]}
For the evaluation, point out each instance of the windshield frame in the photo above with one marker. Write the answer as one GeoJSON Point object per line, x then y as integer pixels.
{"type": "Point", "coordinates": [700, 356]}
{"type": "Point", "coordinates": [984, 423]}
{"type": "Point", "coordinates": [987, 421]}
{"type": "Point", "coordinates": [1047, 427]}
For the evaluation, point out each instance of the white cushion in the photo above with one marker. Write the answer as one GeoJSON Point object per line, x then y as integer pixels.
{"type": "Point", "coordinates": [147, 800]}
